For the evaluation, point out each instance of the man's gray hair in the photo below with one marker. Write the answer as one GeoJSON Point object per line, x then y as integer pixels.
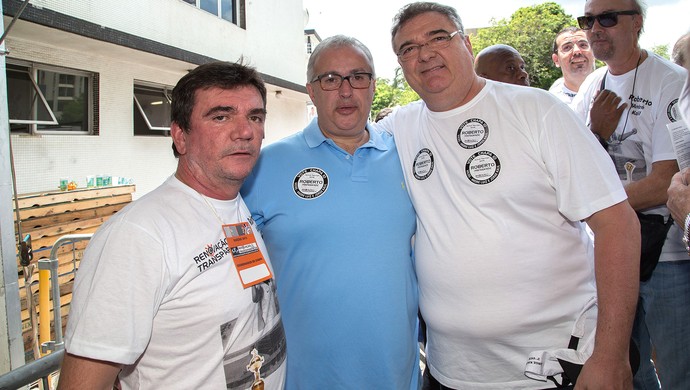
{"type": "Point", "coordinates": [415, 9]}
{"type": "Point", "coordinates": [681, 51]}
{"type": "Point", "coordinates": [337, 41]}
{"type": "Point", "coordinates": [641, 7]}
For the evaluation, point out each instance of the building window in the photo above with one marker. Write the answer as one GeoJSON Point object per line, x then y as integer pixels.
{"type": "Point", "coordinates": [50, 100]}
{"type": "Point", "coordinates": [230, 10]}
{"type": "Point", "coordinates": [151, 109]}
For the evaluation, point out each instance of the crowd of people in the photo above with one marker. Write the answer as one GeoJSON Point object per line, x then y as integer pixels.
{"type": "Point", "coordinates": [539, 238]}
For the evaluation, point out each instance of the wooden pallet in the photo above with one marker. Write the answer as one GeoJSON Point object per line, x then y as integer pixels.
{"type": "Point", "coordinates": [47, 216]}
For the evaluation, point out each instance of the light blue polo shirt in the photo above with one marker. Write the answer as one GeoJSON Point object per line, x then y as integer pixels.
{"type": "Point", "coordinates": [337, 228]}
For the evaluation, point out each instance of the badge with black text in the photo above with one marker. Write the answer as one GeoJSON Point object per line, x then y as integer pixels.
{"type": "Point", "coordinates": [482, 167]}
{"type": "Point", "coordinates": [310, 183]}
{"type": "Point", "coordinates": [423, 164]}
{"type": "Point", "coordinates": [472, 133]}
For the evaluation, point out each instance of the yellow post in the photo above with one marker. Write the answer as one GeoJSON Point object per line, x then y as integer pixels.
{"type": "Point", "coordinates": [43, 305]}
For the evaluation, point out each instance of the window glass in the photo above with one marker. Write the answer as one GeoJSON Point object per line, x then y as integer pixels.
{"type": "Point", "coordinates": [67, 97]}
{"type": "Point", "coordinates": [151, 110]}
{"type": "Point", "coordinates": [209, 6]}
{"type": "Point", "coordinates": [226, 10]}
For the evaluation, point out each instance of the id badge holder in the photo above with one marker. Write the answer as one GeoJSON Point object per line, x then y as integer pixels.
{"type": "Point", "coordinates": [249, 262]}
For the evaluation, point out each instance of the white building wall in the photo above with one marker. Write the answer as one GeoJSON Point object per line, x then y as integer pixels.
{"type": "Point", "coordinates": [40, 160]}
{"type": "Point", "coordinates": [272, 41]}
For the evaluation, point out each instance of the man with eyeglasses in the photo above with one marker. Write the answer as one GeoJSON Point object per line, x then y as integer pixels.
{"type": "Point", "coordinates": [337, 220]}
{"type": "Point", "coordinates": [501, 63]}
{"type": "Point", "coordinates": [501, 177]}
{"type": "Point", "coordinates": [639, 90]}
{"type": "Point", "coordinates": [573, 55]}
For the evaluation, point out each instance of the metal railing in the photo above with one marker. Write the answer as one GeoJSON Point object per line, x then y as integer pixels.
{"type": "Point", "coordinates": [43, 367]}
{"type": "Point", "coordinates": [39, 369]}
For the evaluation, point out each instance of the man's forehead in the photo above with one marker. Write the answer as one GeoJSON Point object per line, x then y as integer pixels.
{"type": "Point", "coordinates": [571, 37]}
{"type": "Point", "coordinates": [345, 56]}
{"type": "Point", "coordinates": [596, 7]}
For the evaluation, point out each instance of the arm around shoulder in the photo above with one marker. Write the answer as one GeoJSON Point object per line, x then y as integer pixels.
{"type": "Point", "coordinates": [78, 372]}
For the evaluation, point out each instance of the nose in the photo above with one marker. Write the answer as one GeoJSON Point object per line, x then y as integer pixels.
{"type": "Point", "coordinates": [426, 52]}
{"type": "Point", "coordinates": [524, 76]}
{"type": "Point", "coordinates": [596, 26]}
{"type": "Point", "coordinates": [243, 129]}
{"type": "Point", "coordinates": [345, 89]}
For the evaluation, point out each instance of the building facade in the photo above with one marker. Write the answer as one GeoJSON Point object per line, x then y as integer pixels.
{"type": "Point", "coordinates": [89, 80]}
{"type": "Point", "coordinates": [87, 91]}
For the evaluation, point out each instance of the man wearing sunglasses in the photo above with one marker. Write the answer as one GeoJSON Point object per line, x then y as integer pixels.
{"type": "Point", "coordinates": [573, 55]}
{"type": "Point", "coordinates": [332, 206]}
{"type": "Point", "coordinates": [639, 91]}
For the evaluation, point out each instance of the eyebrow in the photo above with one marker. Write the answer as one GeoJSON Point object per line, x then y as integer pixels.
{"type": "Point", "coordinates": [221, 109]}
{"type": "Point", "coordinates": [356, 70]}
{"type": "Point", "coordinates": [258, 111]}
{"type": "Point", "coordinates": [232, 110]}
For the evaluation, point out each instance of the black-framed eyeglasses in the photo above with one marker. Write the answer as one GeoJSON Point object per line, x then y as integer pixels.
{"type": "Point", "coordinates": [333, 81]}
{"type": "Point", "coordinates": [606, 20]}
{"type": "Point", "coordinates": [438, 42]}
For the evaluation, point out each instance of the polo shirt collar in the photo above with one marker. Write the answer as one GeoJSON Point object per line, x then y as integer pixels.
{"type": "Point", "coordinates": [314, 136]}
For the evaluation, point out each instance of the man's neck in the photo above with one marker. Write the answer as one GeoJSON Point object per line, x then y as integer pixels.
{"type": "Point", "coordinates": [206, 188]}
{"type": "Point", "coordinates": [630, 62]}
{"type": "Point", "coordinates": [573, 83]}
{"type": "Point", "coordinates": [452, 98]}
{"type": "Point", "coordinates": [350, 144]}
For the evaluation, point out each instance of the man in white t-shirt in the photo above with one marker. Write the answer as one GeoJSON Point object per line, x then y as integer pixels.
{"type": "Point", "coordinates": [501, 177]}
{"type": "Point", "coordinates": [628, 105]}
{"type": "Point", "coordinates": [571, 53]}
{"type": "Point", "coordinates": [175, 291]}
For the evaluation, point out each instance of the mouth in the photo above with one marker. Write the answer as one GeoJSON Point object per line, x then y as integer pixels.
{"type": "Point", "coordinates": [346, 109]}
{"type": "Point", "coordinates": [240, 153]}
{"type": "Point", "coordinates": [433, 69]}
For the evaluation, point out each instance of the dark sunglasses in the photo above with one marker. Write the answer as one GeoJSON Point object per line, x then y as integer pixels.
{"type": "Point", "coordinates": [606, 20]}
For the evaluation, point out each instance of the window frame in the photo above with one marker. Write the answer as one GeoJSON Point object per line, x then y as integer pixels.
{"type": "Point", "coordinates": [32, 69]}
{"type": "Point", "coordinates": [38, 93]}
{"type": "Point", "coordinates": [238, 10]}
{"type": "Point", "coordinates": [152, 130]}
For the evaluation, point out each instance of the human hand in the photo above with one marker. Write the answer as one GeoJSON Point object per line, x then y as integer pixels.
{"type": "Point", "coordinates": [605, 113]}
{"type": "Point", "coordinates": [605, 374]}
{"type": "Point", "coordinates": [679, 196]}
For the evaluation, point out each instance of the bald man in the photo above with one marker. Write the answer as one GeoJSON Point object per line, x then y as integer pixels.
{"type": "Point", "coordinates": [501, 63]}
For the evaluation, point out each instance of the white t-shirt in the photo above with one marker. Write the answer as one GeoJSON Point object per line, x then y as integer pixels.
{"type": "Point", "coordinates": [158, 291]}
{"type": "Point", "coordinates": [684, 101]}
{"type": "Point", "coordinates": [504, 263]}
{"type": "Point", "coordinates": [562, 92]}
{"type": "Point", "coordinates": [654, 88]}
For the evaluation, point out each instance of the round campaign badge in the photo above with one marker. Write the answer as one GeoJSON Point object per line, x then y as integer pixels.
{"type": "Point", "coordinates": [672, 110]}
{"type": "Point", "coordinates": [472, 133]}
{"type": "Point", "coordinates": [482, 167]}
{"type": "Point", "coordinates": [310, 183]}
{"type": "Point", "coordinates": [423, 164]}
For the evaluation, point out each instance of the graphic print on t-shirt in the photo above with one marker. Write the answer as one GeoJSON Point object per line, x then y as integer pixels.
{"type": "Point", "coordinates": [254, 343]}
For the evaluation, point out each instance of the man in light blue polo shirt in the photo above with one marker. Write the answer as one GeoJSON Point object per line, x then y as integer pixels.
{"type": "Point", "coordinates": [337, 221]}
